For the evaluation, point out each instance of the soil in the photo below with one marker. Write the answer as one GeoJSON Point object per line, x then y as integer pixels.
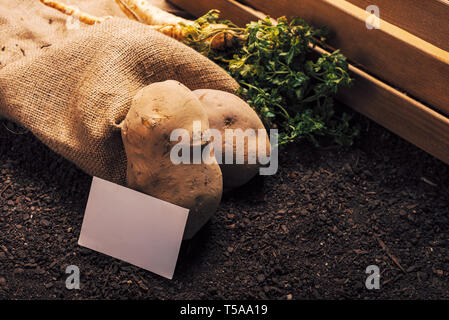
{"type": "Point", "coordinates": [308, 232]}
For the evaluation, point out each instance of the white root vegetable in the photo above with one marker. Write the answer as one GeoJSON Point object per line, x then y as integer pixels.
{"type": "Point", "coordinates": [219, 36]}
{"type": "Point", "coordinates": [228, 111]}
{"type": "Point", "coordinates": [156, 111]}
{"type": "Point", "coordinates": [152, 15]}
{"type": "Point", "coordinates": [126, 11]}
{"type": "Point", "coordinates": [74, 12]}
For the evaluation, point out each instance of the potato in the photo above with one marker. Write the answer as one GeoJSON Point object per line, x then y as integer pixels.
{"type": "Point", "coordinates": [155, 112]}
{"type": "Point", "coordinates": [228, 111]}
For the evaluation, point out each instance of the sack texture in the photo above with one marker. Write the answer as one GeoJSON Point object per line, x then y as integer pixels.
{"type": "Point", "coordinates": [71, 85]}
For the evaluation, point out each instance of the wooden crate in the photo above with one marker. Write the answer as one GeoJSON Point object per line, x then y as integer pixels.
{"type": "Point", "coordinates": [427, 19]}
{"type": "Point", "coordinates": [402, 80]}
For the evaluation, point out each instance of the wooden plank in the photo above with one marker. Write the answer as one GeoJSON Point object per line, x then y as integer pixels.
{"type": "Point", "coordinates": [391, 53]}
{"type": "Point", "coordinates": [239, 13]}
{"type": "Point", "coordinates": [408, 118]}
{"type": "Point", "coordinates": [428, 19]}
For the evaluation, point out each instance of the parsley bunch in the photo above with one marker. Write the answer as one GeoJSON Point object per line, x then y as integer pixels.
{"type": "Point", "coordinates": [286, 82]}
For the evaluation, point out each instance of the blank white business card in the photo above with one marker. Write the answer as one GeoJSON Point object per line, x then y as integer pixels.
{"type": "Point", "coordinates": [133, 227]}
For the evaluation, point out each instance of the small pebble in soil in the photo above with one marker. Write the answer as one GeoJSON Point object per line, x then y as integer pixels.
{"type": "Point", "coordinates": [18, 271]}
{"type": "Point", "coordinates": [45, 223]}
{"type": "Point", "coordinates": [48, 285]}
{"type": "Point", "coordinates": [260, 278]}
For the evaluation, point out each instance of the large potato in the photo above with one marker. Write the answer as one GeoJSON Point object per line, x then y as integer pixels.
{"type": "Point", "coordinates": [156, 111]}
{"type": "Point", "coordinates": [228, 111]}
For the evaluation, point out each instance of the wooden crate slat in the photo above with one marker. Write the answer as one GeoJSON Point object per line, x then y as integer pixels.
{"type": "Point", "coordinates": [406, 117]}
{"type": "Point", "coordinates": [427, 19]}
{"type": "Point", "coordinates": [239, 13]}
{"type": "Point", "coordinates": [391, 53]}
{"type": "Point", "coordinates": [392, 109]}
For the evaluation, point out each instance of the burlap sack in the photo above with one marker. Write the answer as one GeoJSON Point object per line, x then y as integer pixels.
{"type": "Point", "coordinates": [71, 86]}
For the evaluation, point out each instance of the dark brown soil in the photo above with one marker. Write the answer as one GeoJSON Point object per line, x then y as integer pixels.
{"type": "Point", "coordinates": [308, 232]}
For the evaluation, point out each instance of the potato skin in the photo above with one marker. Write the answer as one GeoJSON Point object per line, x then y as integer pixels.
{"type": "Point", "coordinates": [227, 111]}
{"type": "Point", "coordinates": [155, 112]}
